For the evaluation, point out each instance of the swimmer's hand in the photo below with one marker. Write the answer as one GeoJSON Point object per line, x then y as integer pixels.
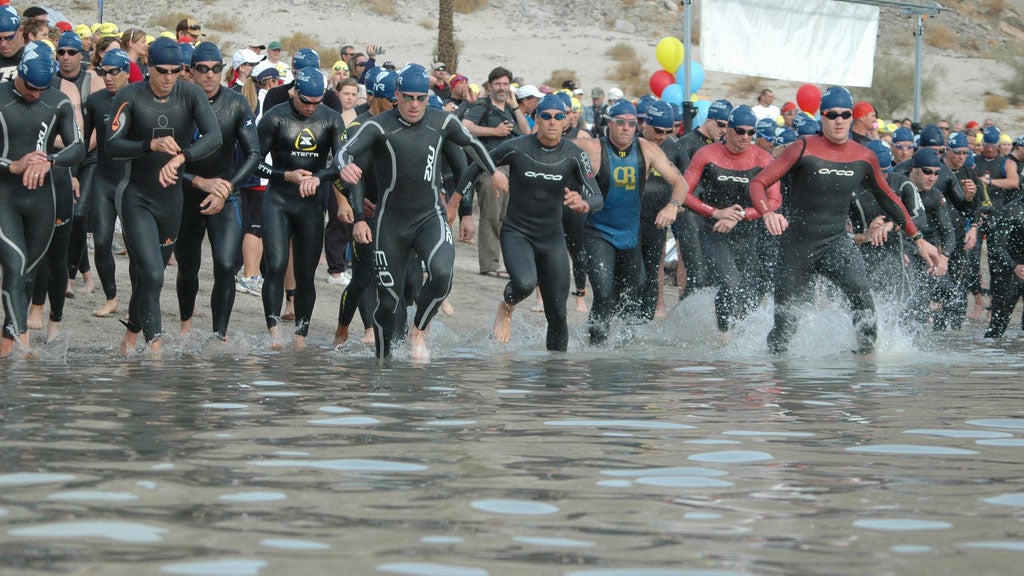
{"type": "Point", "coordinates": [775, 223]}
{"type": "Point", "coordinates": [345, 212]}
{"type": "Point", "coordinates": [165, 144]}
{"type": "Point", "coordinates": [724, 226]}
{"type": "Point", "coordinates": [575, 202]}
{"type": "Point", "coordinates": [734, 213]}
{"type": "Point", "coordinates": [169, 173]}
{"type": "Point", "coordinates": [211, 205]}
{"type": "Point", "coordinates": [499, 181]}
{"type": "Point", "coordinates": [930, 255]}
{"type": "Point", "coordinates": [351, 173]}
{"type": "Point", "coordinates": [296, 176]}
{"type": "Point", "coordinates": [361, 233]}
{"type": "Point", "coordinates": [309, 186]}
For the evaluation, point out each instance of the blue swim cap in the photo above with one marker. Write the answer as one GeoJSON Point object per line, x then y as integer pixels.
{"type": "Point", "coordinates": [186, 53]}
{"type": "Point", "coordinates": [932, 135]}
{"type": "Point", "coordinates": [991, 136]}
{"type": "Point", "coordinates": [9, 20]}
{"type": "Point", "coordinates": [643, 104]}
{"type": "Point", "coordinates": [785, 136]}
{"type": "Point", "coordinates": [882, 152]}
{"type": "Point", "coordinates": [903, 134]}
{"type": "Point", "coordinates": [622, 107]}
{"type": "Point", "coordinates": [836, 97]}
{"type": "Point", "coordinates": [305, 58]}
{"type": "Point", "coordinates": [309, 82]}
{"type": "Point", "coordinates": [677, 112]}
{"type": "Point", "coordinates": [117, 58]}
{"type": "Point", "coordinates": [70, 40]}
{"type": "Point", "coordinates": [957, 140]}
{"type": "Point", "coordinates": [720, 110]}
{"type": "Point", "coordinates": [164, 52]}
{"type": "Point", "coordinates": [385, 84]}
{"type": "Point", "coordinates": [660, 115]}
{"type": "Point", "coordinates": [566, 99]}
{"type": "Point", "coordinates": [414, 79]}
{"type": "Point", "coordinates": [742, 115]}
{"type": "Point", "coordinates": [435, 102]}
{"type": "Point", "coordinates": [206, 52]}
{"type": "Point", "coordinates": [550, 102]}
{"type": "Point", "coordinates": [805, 125]}
{"type": "Point", "coordinates": [36, 67]}
{"type": "Point", "coordinates": [766, 128]}
{"type": "Point", "coordinates": [926, 158]}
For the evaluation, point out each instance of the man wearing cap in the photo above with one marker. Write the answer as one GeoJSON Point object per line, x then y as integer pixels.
{"type": "Point", "coordinates": [188, 31]}
{"type": "Point", "coordinates": [1006, 265]}
{"type": "Point", "coordinates": [657, 193]}
{"type": "Point", "coordinates": [622, 164]}
{"type": "Point", "coordinates": [211, 198]}
{"type": "Point", "coordinates": [33, 117]}
{"type": "Point", "coordinates": [863, 129]}
{"type": "Point", "coordinates": [998, 173]}
{"type": "Point", "coordinates": [902, 145]}
{"type": "Point", "coordinates": [528, 96]}
{"type": "Point", "coordinates": [824, 173]}
{"type": "Point", "coordinates": [439, 81]}
{"type": "Point", "coordinates": [158, 126]}
{"type": "Point", "coordinates": [789, 112]}
{"type": "Point", "coordinates": [547, 174]}
{"type": "Point", "coordinates": [459, 100]}
{"type": "Point", "coordinates": [403, 144]}
{"type": "Point", "coordinates": [113, 68]}
{"type": "Point", "coordinates": [765, 137]}
{"type": "Point", "coordinates": [242, 63]}
{"type": "Point", "coordinates": [301, 136]}
{"type": "Point", "coordinates": [696, 273]}
{"type": "Point", "coordinates": [11, 43]}
{"type": "Point", "coordinates": [598, 110]}
{"type": "Point", "coordinates": [493, 120]}
{"type": "Point", "coordinates": [730, 228]}
{"type": "Point", "coordinates": [303, 58]}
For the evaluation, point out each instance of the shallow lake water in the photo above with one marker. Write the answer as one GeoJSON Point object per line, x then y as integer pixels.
{"type": "Point", "coordinates": [664, 453]}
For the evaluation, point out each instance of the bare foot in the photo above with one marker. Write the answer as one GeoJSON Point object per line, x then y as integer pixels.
{"type": "Point", "coordinates": [368, 336]}
{"type": "Point", "coordinates": [340, 335]}
{"type": "Point", "coordinates": [156, 347]}
{"type": "Point", "coordinates": [724, 338]}
{"type": "Point", "coordinates": [660, 313]}
{"type": "Point", "coordinates": [289, 311]}
{"type": "Point", "coordinates": [418, 351]}
{"type": "Point", "coordinates": [447, 308]}
{"type": "Point", "coordinates": [538, 306]}
{"type": "Point", "coordinates": [186, 327]}
{"type": "Point", "coordinates": [128, 342]}
{"type": "Point", "coordinates": [111, 307]}
{"type": "Point", "coordinates": [299, 343]}
{"type": "Point", "coordinates": [7, 345]}
{"type": "Point", "coordinates": [503, 323]}
{"type": "Point", "coordinates": [275, 339]}
{"type": "Point", "coordinates": [69, 292]}
{"type": "Point", "coordinates": [35, 317]}
{"type": "Point", "coordinates": [52, 331]}
{"type": "Point", "coordinates": [89, 285]}
{"type": "Point", "coordinates": [581, 305]}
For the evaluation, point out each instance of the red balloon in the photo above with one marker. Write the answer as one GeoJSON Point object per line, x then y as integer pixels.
{"type": "Point", "coordinates": [808, 97]}
{"type": "Point", "coordinates": [659, 80]}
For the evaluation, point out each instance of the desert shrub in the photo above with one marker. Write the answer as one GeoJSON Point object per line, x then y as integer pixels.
{"type": "Point", "coordinates": [940, 36]}
{"type": "Point", "coordinates": [467, 6]}
{"type": "Point", "coordinates": [996, 103]}
{"type": "Point", "coordinates": [892, 88]}
{"type": "Point", "coordinates": [621, 52]}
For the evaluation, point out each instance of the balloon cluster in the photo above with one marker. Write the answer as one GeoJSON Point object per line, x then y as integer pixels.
{"type": "Point", "coordinates": [663, 83]}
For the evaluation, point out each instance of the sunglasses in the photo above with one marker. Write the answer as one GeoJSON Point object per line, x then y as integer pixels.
{"type": "Point", "coordinates": [832, 115]}
{"type": "Point", "coordinates": [903, 146]}
{"type": "Point", "coordinates": [959, 152]}
{"type": "Point", "coordinates": [929, 171]}
{"type": "Point", "coordinates": [167, 71]}
{"type": "Point", "coordinates": [32, 88]}
{"type": "Point", "coordinates": [550, 116]}
{"type": "Point", "coordinates": [361, 64]}
{"type": "Point", "coordinates": [348, 54]}
{"type": "Point", "coordinates": [67, 52]}
{"type": "Point", "coordinates": [441, 68]}
{"type": "Point", "coordinates": [196, 27]}
{"type": "Point", "coordinates": [661, 130]}
{"type": "Point", "coordinates": [417, 98]}
{"type": "Point", "coordinates": [9, 37]}
{"type": "Point", "coordinates": [305, 100]}
{"type": "Point", "coordinates": [741, 132]}
{"type": "Point", "coordinates": [944, 128]}
{"type": "Point", "coordinates": [203, 68]}
{"type": "Point", "coordinates": [721, 124]}
{"type": "Point", "coordinates": [624, 122]}
{"type": "Point", "coordinates": [101, 72]}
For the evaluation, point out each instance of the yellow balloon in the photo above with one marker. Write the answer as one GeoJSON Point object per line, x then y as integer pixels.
{"type": "Point", "coordinates": [669, 53]}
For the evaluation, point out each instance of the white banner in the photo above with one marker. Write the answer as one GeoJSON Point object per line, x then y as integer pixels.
{"type": "Point", "coordinates": [820, 41]}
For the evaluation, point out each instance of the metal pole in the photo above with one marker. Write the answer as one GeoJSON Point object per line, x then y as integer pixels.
{"type": "Point", "coordinates": [919, 37]}
{"type": "Point", "coordinates": [688, 108]}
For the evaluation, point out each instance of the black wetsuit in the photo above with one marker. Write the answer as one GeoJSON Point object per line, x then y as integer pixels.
{"type": "Point", "coordinates": [721, 178]}
{"type": "Point", "coordinates": [78, 253]}
{"type": "Point", "coordinates": [295, 142]}
{"type": "Point", "coordinates": [532, 240]}
{"type": "Point", "coordinates": [279, 94]}
{"type": "Point", "coordinates": [28, 217]}
{"type": "Point", "coordinates": [824, 176]}
{"type": "Point", "coordinates": [151, 214]}
{"type": "Point", "coordinates": [886, 270]}
{"type": "Point", "coordinates": [657, 193]}
{"type": "Point", "coordinates": [965, 266]}
{"type": "Point", "coordinates": [687, 226]}
{"type": "Point", "coordinates": [410, 215]}
{"type": "Point", "coordinates": [612, 238]}
{"type": "Point", "coordinates": [237, 129]}
{"type": "Point", "coordinates": [9, 66]}
{"type": "Point", "coordinates": [106, 179]}
{"type": "Point", "coordinates": [1006, 252]}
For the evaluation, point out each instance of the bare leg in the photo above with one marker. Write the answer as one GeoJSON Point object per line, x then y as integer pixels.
{"type": "Point", "coordinates": [538, 306]}
{"type": "Point", "coordinates": [275, 338]}
{"type": "Point", "coordinates": [340, 335]}
{"type": "Point", "coordinates": [446, 308]}
{"type": "Point", "coordinates": [128, 342]}
{"type": "Point", "coordinates": [581, 305]}
{"type": "Point", "coordinates": [35, 317]}
{"type": "Point", "coordinates": [299, 343]}
{"type": "Point", "coordinates": [156, 347]}
{"type": "Point", "coordinates": [503, 322]}
{"type": "Point", "coordinates": [69, 292]}
{"type": "Point", "coordinates": [680, 272]}
{"type": "Point", "coordinates": [89, 283]}
{"type": "Point", "coordinates": [186, 327]}
{"type": "Point", "coordinates": [659, 309]}
{"type": "Point", "coordinates": [418, 351]}
{"type": "Point", "coordinates": [52, 331]}
{"type": "Point", "coordinates": [111, 307]}
{"type": "Point", "coordinates": [368, 336]}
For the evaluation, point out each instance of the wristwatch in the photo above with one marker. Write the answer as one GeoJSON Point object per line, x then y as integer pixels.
{"type": "Point", "coordinates": [674, 202]}
{"type": "Point", "coordinates": [917, 236]}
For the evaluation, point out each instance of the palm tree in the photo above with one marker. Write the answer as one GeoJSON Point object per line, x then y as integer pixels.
{"type": "Point", "coordinates": [447, 51]}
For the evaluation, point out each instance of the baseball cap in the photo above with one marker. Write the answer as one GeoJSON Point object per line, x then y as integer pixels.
{"type": "Point", "coordinates": [528, 91]}
{"type": "Point", "coordinates": [614, 94]}
{"type": "Point", "coordinates": [438, 66]}
{"type": "Point", "coordinates": [926, 158]}
{"type": "Point", "coordinates": [596, 92]}
{"type": "Point", "coordinates": [190, 25]}
{"type": "Point", "coordinates": [274, 45]}
{"type": "Point", "coordinates": [252, 43]}
{"type": "Point", "coordinates": [265, 70]}
{"type": "Point", "coordinates": [246, 56]}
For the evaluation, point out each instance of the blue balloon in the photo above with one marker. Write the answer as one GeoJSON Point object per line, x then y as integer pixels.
{"type": "Point", "coordinates": [701, 117]}
{"type": "Point", "coordinates": [696, 76]}
{"type": "Point", "coordinates": [673, 94]}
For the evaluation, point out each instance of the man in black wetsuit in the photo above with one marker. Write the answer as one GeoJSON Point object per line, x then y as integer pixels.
{"type": "Point", "coordinates": [211, 196]}
{"type": "Point", "coordinates": [825, 170]}
{"type": "Point", "coordinates": [1006, 265]}
{"type": "Point", "coordinates": [154, 127]}
{"type": "Point", "coordinates": [11, 43]}
{"type": "Point", "coordinates": [405, 144]}
{"type": "Point", "coordinates": [545, 172]}
{"type": "Point", "coordinates": [33, 116]}
{"type": "Point", "coordinates": [303, 58]}
{"type": "Point", "coordinates": [300, 135]}
{"type": "Point", "coordinates": [114, 70]}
